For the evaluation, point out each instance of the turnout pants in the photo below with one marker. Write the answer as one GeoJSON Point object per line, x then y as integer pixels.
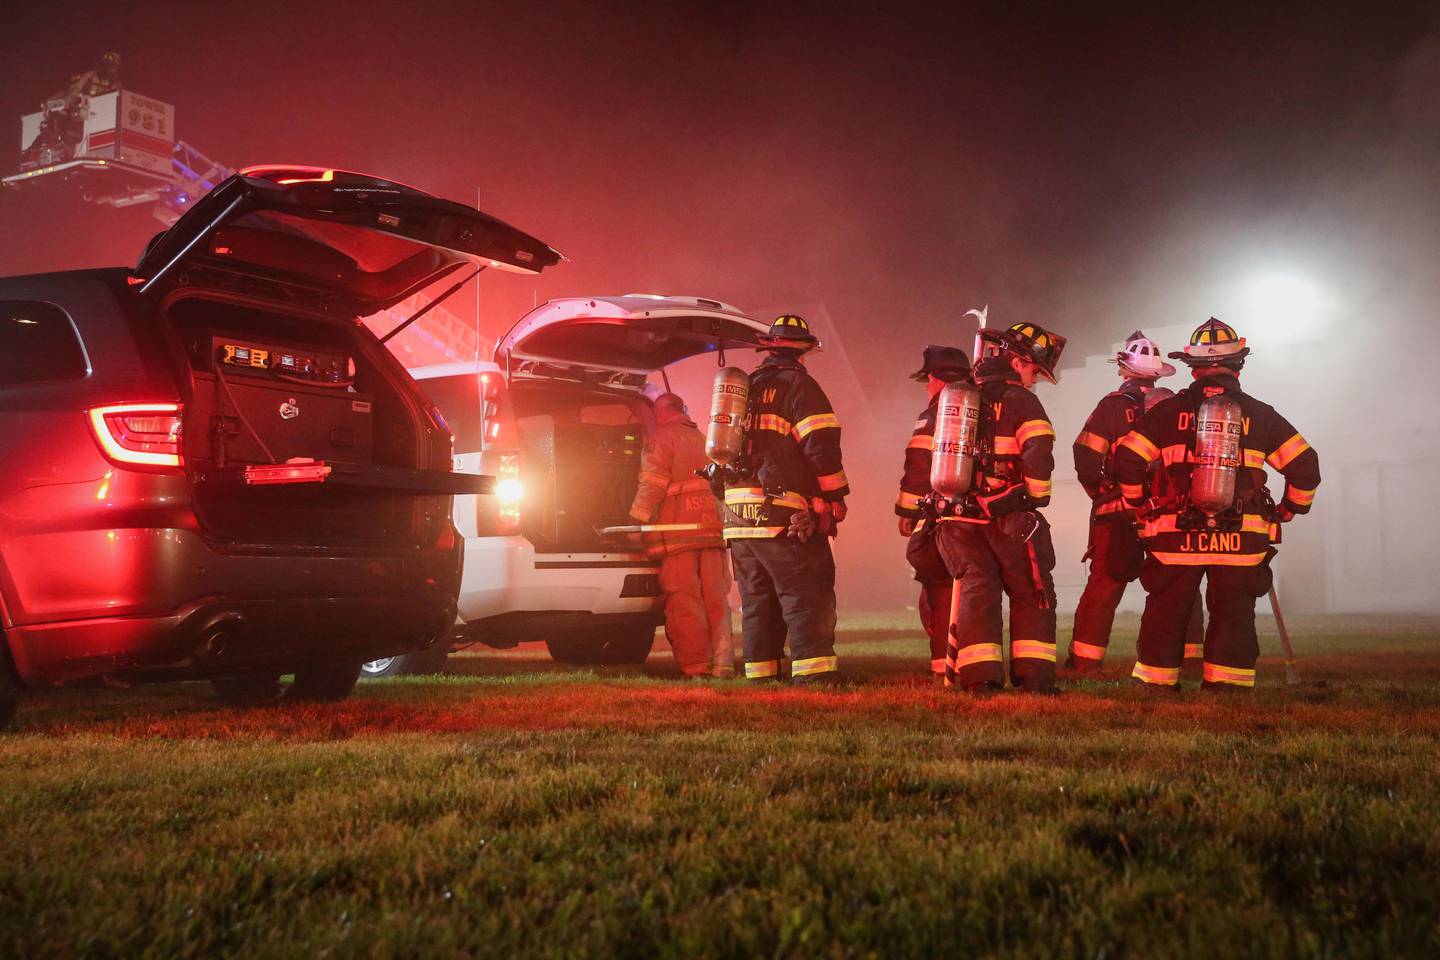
{"type": "Point", "coordinates": [1116, 557]}
{"type": "Point", "coordinates": [696, 584]}
{"type": "Point", "coordinates": [787, 592]}
{"type": "Point", "coordinates": [991, 560]}
{"type": "Point", "coordinates": [1231, 648]}
{"type": "Point", "coordinates": [935, 588]}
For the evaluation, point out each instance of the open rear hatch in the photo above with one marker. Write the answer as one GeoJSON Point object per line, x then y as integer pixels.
{"type": "Point", "coordinates": [299, 426]}
{"type": "Point", "coordinates": [346, 242]}
{"type": "Point", "coordinates": [581, 438]}
{"type": "Point", "coordinates": [621, 340]}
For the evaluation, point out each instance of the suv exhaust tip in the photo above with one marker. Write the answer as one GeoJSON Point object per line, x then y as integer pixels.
{"type": "Point", "coordinates": [217, 635]}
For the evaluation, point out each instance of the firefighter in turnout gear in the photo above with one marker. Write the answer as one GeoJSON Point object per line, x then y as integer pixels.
{"type": "Point", "coordinates": [941, 365]}
{"type": "Point", "coordinates": [1210, 515]}
{"type": "Point", "coordinates": [993, 538]}
{"type": "Point", "coordinates": [693, 575]}
{"type": "Point", "coordinates": [781, 510]}
{"type": "Point", "coordinates": [1115, 552]}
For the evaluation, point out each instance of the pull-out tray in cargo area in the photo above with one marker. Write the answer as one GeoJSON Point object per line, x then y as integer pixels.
{"type": "Point", "coordinates": [388, 479]}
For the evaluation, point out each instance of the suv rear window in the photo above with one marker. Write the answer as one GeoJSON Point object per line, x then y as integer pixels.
{"type": "Point", "coordinates": [459, 401]}
{"type": "Point", "coordinates": [38, 343]}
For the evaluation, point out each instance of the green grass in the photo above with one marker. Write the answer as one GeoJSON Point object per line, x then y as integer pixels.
{"type": "Point", "coordinates": [519, 807]}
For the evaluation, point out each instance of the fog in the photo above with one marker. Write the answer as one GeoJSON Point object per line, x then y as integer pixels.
{"type": "Point", "coordinates": [881, 172]}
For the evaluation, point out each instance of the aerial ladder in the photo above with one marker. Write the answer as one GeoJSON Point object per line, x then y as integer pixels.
{"type": "Point", "coordinates": [117, 148]}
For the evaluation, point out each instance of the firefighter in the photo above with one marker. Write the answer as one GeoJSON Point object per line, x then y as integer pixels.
{"type": "Point", "coordinates": [102, 79]}
{"type": "Point", "coordinates": [1115, 553]}
{"type": "Point", "coordinates": [1211, 515]}
{"type": "Point", "coordinates": [994, 539]}
{"type": "Point", "coordinates": [781, 511]}
{"type": "Point", "coordinates": [941, 365]}
{"type": "Point", "coordinates": [693, 574]}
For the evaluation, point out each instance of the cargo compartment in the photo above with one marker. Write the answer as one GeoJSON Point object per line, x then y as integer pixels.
{"type": "Point", "coordinates": [267, 389]}
{"type": "Point", "coordinates": [580, 454]}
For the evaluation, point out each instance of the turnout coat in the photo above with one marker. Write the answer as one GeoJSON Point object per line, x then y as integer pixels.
{"type": "Point", "coordinates": [792, 438]}
{"type": "Point", "coordinates": [1166, 435]}
{"type": "Point", "coordinates": [670, 492]}
{"type": "Point", "coordinates": [1113, 417]}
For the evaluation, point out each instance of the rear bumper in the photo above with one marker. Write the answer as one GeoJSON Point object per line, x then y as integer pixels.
{"type": "Point", "coordinates": [225, 637]}
{"type": "Point", "coordinates": [145, 602]}
{"type": "Point", "coordinates": [505, 577]}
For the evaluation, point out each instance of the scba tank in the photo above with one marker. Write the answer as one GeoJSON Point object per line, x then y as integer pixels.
{"type": "Point", "coordinates": [725, 431]}
{"type": "Point", "coordinates": [1219, 434]}
{"type": "Point", "coordinates": [957, 440]}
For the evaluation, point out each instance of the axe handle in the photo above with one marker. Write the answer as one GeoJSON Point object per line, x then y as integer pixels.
{"type": "Point", "coordinates": [654, 528]}
{"type": "Point", "coordinates": [1292, 675]}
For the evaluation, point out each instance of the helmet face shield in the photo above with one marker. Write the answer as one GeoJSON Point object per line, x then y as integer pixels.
{"type": "Point", "coordinates": [1047, 356]}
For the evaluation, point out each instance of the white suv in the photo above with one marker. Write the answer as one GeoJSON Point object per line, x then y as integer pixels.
{"type": "Point", "coordinates": [560, 417]}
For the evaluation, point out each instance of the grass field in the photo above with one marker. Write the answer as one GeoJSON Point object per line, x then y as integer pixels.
{"type": "Point", "coordinates": [518, 807]}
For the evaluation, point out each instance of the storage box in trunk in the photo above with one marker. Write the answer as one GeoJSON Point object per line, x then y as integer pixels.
{"type": "Point", "coordinates": [289, 420]}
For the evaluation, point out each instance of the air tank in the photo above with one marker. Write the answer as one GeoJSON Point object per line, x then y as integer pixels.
{"type": "Point", "coordinates": [957, 438]}
{"type": "Point", "coordinates": [1219, 432]}
{"type": "Point", "coordinates": [725, 431]}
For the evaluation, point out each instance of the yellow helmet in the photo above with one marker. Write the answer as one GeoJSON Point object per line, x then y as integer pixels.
{"type": "Point", "coordinates": [1214, 344]}
{"type": "Point", "coordinates": [790, 331]}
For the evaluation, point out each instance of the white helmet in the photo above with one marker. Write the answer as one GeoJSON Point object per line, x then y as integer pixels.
{"type": "Point", "coordinates": [1141, 358]}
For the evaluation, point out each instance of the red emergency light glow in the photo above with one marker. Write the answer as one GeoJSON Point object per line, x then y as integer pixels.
{"type": "Point", "coordinates": [138, 434]}
{"type": "Point", "coordinates": [300, 174]}
{"type": "Point", "coordinates": [266, 474]}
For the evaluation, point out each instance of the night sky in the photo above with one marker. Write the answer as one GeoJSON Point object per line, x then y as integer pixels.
{"type": "Point", "coordinates": [899, 167]}
{"type": "Point", "coordinates": [1094, 170]}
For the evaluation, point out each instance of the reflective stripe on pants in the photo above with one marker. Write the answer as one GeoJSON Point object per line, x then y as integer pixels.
{"type": "Point", "coordinates": [787, 594]}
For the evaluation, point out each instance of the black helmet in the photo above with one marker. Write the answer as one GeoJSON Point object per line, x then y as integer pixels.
{"type": "Point", "coordinates": [790, 332]}
{"type": "Point", "coordinates": [943, 363]}
{"type": "Point", "coordinates": [1214, 344]}
{"type": "Point", "coordinates": [1030, 341]}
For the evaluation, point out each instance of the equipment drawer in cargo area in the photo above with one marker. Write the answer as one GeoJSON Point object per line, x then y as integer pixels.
{"type": "Point", "coordinates": [249, 420]}
{"type": "Point", "coordinates": [584, 475]}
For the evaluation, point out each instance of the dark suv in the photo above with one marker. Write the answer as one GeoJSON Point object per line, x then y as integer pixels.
{"type": "Point", "coordinates": [209, 468]}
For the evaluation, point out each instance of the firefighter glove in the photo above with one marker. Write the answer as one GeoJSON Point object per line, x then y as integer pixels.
{"type": "Point", "coordinates": [802, 525]}
{"type": "Point", "coordinates": [907, 526]}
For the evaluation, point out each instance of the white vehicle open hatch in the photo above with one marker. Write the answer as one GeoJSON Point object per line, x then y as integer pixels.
{"type": "Point", "coordinates": [560, 417]}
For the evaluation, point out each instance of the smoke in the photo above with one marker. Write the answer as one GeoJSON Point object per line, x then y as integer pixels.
{"type": "Point", "coordinates": [1091, 169]}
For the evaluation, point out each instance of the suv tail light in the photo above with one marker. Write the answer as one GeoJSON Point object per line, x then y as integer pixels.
{"type": "Point", "coordinates": [138, 434]}
{"type": "Point", "coordinates": [509, 491]}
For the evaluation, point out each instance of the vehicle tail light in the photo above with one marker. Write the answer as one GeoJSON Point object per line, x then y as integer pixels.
{"type": "Point", "coordinates": [509, 492]}
{"type": "Point", "coordinates": [138, 434]}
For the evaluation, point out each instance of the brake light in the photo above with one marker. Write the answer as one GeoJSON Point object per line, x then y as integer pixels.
{"type": "Point", "coordinates": [298, 471]}
{"type": "Point", "coordinates": [287, 174]}
{"type": "Point", "coordinates": [509, 492]}
{"type": "Point", "coordinates": [138, 434]}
